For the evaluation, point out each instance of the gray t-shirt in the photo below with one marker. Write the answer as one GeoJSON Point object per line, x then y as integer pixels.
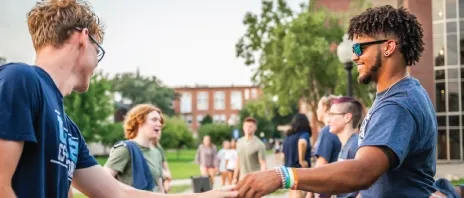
{"type": "Point", "coordinates": [403, 119]}
{"type": "Point", "coordinates": [250, 152]}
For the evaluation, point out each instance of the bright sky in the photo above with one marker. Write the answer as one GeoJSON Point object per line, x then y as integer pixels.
{"type": "Point", "coordinates": [182, 42]}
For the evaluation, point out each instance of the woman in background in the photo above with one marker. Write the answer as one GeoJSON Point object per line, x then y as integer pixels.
{"type": "Point", "coordinates": [206, 157]}
{"type": "Point", "coordinates": [297, 147]}
{"type": "Point", "coordinates": [231, 160]}
{"type": "Point", "coordinates": [221, 154]}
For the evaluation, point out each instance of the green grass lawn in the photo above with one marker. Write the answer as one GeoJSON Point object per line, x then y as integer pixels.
{"type": "Point", "coordinates": [456, 182]}
{"type": "Point", "coordinates": [181, 164]}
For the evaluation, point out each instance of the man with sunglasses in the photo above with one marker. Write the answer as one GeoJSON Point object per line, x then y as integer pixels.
{"type": "Point", "coordinates": [397, 141]}
{"type": "Point", "coordinates": [41, 150]}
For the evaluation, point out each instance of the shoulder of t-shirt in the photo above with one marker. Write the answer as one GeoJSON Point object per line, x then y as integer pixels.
{"type": "Point", "coordinates": [354, 142]}
{"type": "Point", "coordinates": [13, 71]}
{"type": "Point", "coordinates": [304, 135]}
{"type": "Point", "coordinates": [390, 105]}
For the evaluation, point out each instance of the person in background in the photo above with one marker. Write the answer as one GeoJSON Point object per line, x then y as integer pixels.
{"type": "Point", "coordinates": [206, 157]}
{"type": "Point", "coordinates": [327, 145]}
{"type": "Point", "coordinates": [297, 147]}
{"type": "Point", "coordinates": [344, 117]}
{"type": "Point", "coordinates": [136, 162]}
{"type": "Point", "coordinates": [222, 161]}
{"type": "Point", "coordinates": [231, 160]}
{"type": "Point", "coordinates": [167, 177]}
{"type": "Point", "coordinates": [251, 151]}
{"type": "Point", "coordinates": [277, 150]}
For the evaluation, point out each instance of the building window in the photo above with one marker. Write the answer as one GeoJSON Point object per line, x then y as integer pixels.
{"type": "Point", "coordinates": [219, 98]}
{"type": "Point", "coordinates": [186, 103]}
{"type": "Point", "coordinates": [247, 94]}
{"type": "Point", "coordinates": [455, 144]}
{"type": "Point", "coordinates": [236, 100]}
{"type": "Point", "coordinates": [448, 50]}
{"type": "Point", "coordinates": [453, 96]}
{"type": "Point", "coordinates": [188, 119]}
{"type": "Point", "coordinates": [199, 119]}
{"type": "Point", "coordinates": [440, 97]}
{"type": "Point", "coordinates": [233, 120]}
{"type": "Point", "coordinates": [254, 93]}
{"type": "Point", "coordinates": [219, 118]}
{"type": "Point", "coordinates": [441, 147]}
{"type": "Point", "coordinates": [202, 100]}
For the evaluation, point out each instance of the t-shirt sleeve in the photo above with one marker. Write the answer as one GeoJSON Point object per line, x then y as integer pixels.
{"type": "Point", "coordinates": [325, 145]}
{"type": "Point", "coordinates": [118, 159]}
{"type": "Point", "coordinates": [85, 159]}
{"type": "Point", "coordinates": [19, 97]}
{"type": "Point", "coordinates": [391, 126]}
{"type": "Point", "coordinates": [304, 136]}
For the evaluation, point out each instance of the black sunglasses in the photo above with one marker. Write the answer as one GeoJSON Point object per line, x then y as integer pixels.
{"type": "Point", "coordinates": [358, 47]}
{"type": "Point", "coordinates": [100, 50]}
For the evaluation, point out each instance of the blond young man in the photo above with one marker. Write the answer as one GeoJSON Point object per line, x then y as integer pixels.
{"type": "Point", "coordinates": [42, 150]}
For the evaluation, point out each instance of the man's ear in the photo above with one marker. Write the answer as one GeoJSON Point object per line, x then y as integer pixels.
{"type": "Point", "coordinates": [348, 117]}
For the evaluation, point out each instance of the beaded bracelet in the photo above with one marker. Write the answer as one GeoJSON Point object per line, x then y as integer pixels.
{"type": "Point", "coordinates": [281, 176]}
{"type": "Point", "coordinates": [288, 177]}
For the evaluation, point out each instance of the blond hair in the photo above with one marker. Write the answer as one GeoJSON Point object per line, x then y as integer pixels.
{"type": "Point", "coordinates": [52, 22]}
{"type": "Point", "coordinates": [136, 117]}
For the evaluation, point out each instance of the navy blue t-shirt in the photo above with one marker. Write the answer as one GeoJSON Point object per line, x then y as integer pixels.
{"type": "Point", "coordinates": [403, 119]}
{"type": "Point", "coordinates": [31, 109]}
{"type": "Point", "coordinates": [327, 145]}
{"type": "Point", "coordinates": [291, 149]}
{"type": "Point", "coordinates": [348, 151]}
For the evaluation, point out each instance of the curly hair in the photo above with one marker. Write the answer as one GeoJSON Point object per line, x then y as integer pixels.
{"type": "Point", "coordinates": [389, 20]}
{"type": "Point", "coordinates": [136, 117]}
{"type": "Point", "coordinates": [52, 22]}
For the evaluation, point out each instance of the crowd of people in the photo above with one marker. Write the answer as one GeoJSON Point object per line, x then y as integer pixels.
{"type": "Point", "coordinates": [390, 153]}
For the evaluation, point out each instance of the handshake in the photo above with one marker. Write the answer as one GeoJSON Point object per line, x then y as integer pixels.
{"type": "Point", "coordinates": [258, 184]}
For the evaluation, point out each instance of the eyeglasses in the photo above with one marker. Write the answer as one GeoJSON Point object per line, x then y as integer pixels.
{"type": "Point", "coordinates": [358, 47]}
{"type": "Point", "coordinates": [100, 50]}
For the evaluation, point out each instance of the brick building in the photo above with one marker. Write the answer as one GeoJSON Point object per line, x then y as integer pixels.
{"type": "Point", "coordinates": [221, 103]}
{"type": "Point", "coordinates": [440, 69]}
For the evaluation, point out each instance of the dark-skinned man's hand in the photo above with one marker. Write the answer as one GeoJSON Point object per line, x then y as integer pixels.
{"type": "Point", "coordinates": [258, 184]}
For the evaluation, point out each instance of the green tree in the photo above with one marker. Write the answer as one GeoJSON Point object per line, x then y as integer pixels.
{"type": "Point", "coordinates": [206, 120]}
{"type": "Point", "coordinates": [217, 132]}
{"type": "Point", "coordinates": [114, 132]}
{"type": "Point", "coordinates": [140, 89]}
{"type": "Point", "coordinates": [176, 134]}
{"type": "Point", "coordinates": [92, 110]}
{"type": "Point", "coordinates": [295, 54]}
{"type": "Point", "coordinates": [265, 111]}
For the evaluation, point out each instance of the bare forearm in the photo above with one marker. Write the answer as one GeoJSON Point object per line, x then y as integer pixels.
{"type": "Point", "coordinates": [301, 152]}
{"type": "Point", "coordinates": [129, 191]}
{"type": "Point", "coordinates": [7, 191]}
{"type": "Point", "coordinates": [263, 165]}
{"type": "Point", "coordinates": [336, 178]}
